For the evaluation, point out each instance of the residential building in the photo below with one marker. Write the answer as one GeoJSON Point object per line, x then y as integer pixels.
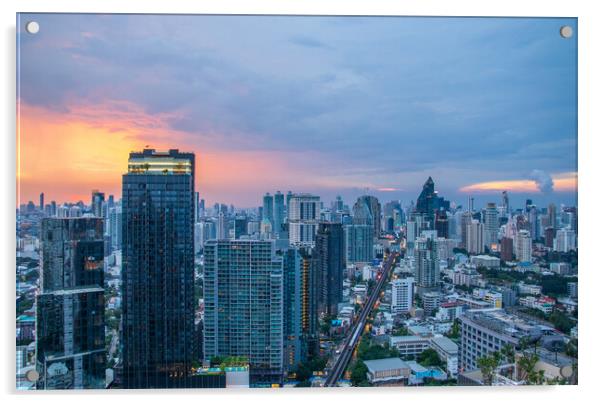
{"type": "Point", "coordinates": [330, 259]}
{"type": "Point", "coordinates": [303, 218]}
{"type": "Point", "coordinates": [402, 295]}
{"type": "Point", "coordinates": [523, 246]}
{"type": "Point", "coordinates": [70, 345]}
{"type": "Point", "coordinates": [158, 270]}
{"type": "Point", "coordinates": [426, 266]}
{"type": "Point", "coordinates": [484, 331]}
{"type": "Point", "coordinates": [244, 306]}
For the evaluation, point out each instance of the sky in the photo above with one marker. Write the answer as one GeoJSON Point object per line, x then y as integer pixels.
{"type": "Point", "coordinates": [328, 105]}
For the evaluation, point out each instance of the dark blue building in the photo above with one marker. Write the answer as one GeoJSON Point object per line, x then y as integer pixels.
{"type": "Point", "coordinates": [70, 345]}
{"type": "Point", "coordinates": [329, 258]}
{"type": "Point", "coordinates": [429, 202]}
{"type": "Point", "coordinates": [158, 329]}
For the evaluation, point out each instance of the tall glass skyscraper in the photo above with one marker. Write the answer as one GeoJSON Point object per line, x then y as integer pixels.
{"type": "Point", "coordinates": [292, 310]}
{"type": "Point", "coordinates": [278, 215]}
{"type": "Point", "coordinates": [244, 306]}
{"type": "Point", "coordinates": [158, 269]}
{"type": "Point", "coordinates": [374, 209]}
{"type": "Point", "coordinates": [70, 348]}
{"type": "Point", "coordinates": [268, 208]}
{"type": "Point", "coordinates": [330, 260]}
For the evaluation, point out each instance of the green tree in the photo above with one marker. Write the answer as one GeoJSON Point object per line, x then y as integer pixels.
{"type": "Point", "coordinates": [561, 321]}
{"type": "Point", "coordinates": [429, 358]}
{"type": "Point", "coordinates": [401, 331]}
{"type": "Point", "coordinates": [507, 352]}
{"type": "Point", "coordinates": [454, 332]}
{"type": "Point", "coordinates": [358, 373]}
{"type": "Point", "coordinates": [526, 364]}
{"type": "Point", "coordinates": [216, 360]}
{"type": "Point", "coordinates": [488, 364]}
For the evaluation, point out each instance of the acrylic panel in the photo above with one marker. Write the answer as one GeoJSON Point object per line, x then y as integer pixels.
{"type": "Point", "coordinates": [210, 201]}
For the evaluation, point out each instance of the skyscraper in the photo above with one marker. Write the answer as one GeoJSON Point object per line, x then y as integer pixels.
{"type": "Point", "coordinates": [303, 217]}
{"type": "Point", "coordinates": [70, 308]}
{"type": "Point", "coordinates": [278, 215]}
{"type": "Point", "coordinates": [42, 201]}
{"type": "Point", "coordinates": [465, 221]}
{"type": "Point", "coordinates": [565, 240]}
{"type": "Point", "coordinates": [240, 226]}
{"type": "Point", "coordinates": [202, 208]}
{"type": "Point", "coordinates": [222, 226]}
{"type": "Point", "coordinates": [492, 225]}
{"type": "Point", "coordinates": [429, 201]}
{"type": "Point", "coordinates": [475, 242]}
{"type": "Point", "coordinates": [359, 243]}
{"type": "Point", "coordinates": [337, 205]}
{"type": "Point", "coordinates": [505, 204]}
{"type": "Point", "coordinates": [300, 307]}
{"type": "Point", "coordinates": [533, 215]}
{"type": "Point", "coordinates": [268, 208]}
{"type": "Point", "coordinates": [374, 208]}
{"type": "Point", "coordinates": [158, 269]}
{"type": "Point", "coordinates": [523, 246]}
{"type": "Point", "coordinates": [359, 236]}
{"type": "Point", "coordinates": [402, 295]}
{"type": "Point", "coordinates": [98, 199]}
{"type": "Point", "coordinates": [426, 266]}
{"type": "Point", "coordinates": [507, 249]}
{"type": "Point", "coordinates": [442, 224]}
{"type": "Point", "coordinates": [549, 235]}
{"type": "Point", "coordinates": [197, 214]}
{"type": "Point", "coordinates": [244, 305]}
{"type": "Point", "coordinates": [330, 259]}
{"type": "Point", "coordinates": [552, 215]}
{"type": "Point", "coordinates": [289, 194]}
{"type": "Point", "coordinates": [115, 223]}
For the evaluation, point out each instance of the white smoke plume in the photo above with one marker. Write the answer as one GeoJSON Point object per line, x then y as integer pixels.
{"type": "Point", "coordinates": [543, 180]}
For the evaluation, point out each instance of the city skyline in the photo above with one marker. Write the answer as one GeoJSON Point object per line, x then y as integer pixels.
{"type": "Point", "coordinates": [283, 201]}
{"type": "Point", "coordinates": [338, 116]}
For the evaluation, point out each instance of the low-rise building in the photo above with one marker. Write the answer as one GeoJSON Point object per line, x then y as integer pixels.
{"type": "Point", "coordinates": [484, 331]}
{"type": "Point", "coordinates": [447, 351]}
{"type": "Point", "coordinates": [448, 311]}
{"type": "Point", "coordinates": [544, 304]}
{"type": "Point", "coordinates": [410, 346]}
{"type": "Point", "coordinates": [560, 268]}
{"type": "Point", "coordinates": [490, 262]}
{"type": "Point", "coordinates": [387, 370]}
{"type": "Point", "coordinates": [530, 289]}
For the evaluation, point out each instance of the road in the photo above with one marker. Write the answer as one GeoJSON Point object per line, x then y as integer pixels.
{"type": "Point", "coordinates": [357, 329]}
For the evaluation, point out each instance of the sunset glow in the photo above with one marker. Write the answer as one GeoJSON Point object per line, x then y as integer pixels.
{"type": "Point", "coordinates": [564, 182]}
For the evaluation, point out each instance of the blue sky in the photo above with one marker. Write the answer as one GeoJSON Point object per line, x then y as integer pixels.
{"type": "Point", "coordinates": [352, 102]}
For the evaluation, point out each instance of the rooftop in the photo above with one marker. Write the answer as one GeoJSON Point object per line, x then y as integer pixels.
{"type": "Point", "coordinates": [500, 321]}
{"type": "Point", "coordinates": [445, 344]}
{"type": "Point", "coordinates": [385, 364]}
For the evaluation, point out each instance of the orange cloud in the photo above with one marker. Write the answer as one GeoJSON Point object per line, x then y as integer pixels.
{"type": "Point", "coordinates": [563, 182]}
{"type": "Point", "coordinates": [66, 155]}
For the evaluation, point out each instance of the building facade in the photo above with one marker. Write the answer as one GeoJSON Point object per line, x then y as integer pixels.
{"type": "Point", "coordinates": [244, 305]}
{"type": "Point", "coordinates": [303, 218]}
{"type": "Point", "coordinates": [330, 260]}
{"type": "Point", "coordinates": [158, 269]}
{"type": "Point", "coordinates": [70, 346]}
{"type": "Point", "coordinates": [402, 295]}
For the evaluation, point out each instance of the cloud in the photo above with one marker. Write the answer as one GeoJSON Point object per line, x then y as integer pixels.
{"type": "Point", "coordinates": [543, 180]}
{"type": "Point", "coordinates": [308, 42]}
{"type": "Point", "coordinates": [386, 98]}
